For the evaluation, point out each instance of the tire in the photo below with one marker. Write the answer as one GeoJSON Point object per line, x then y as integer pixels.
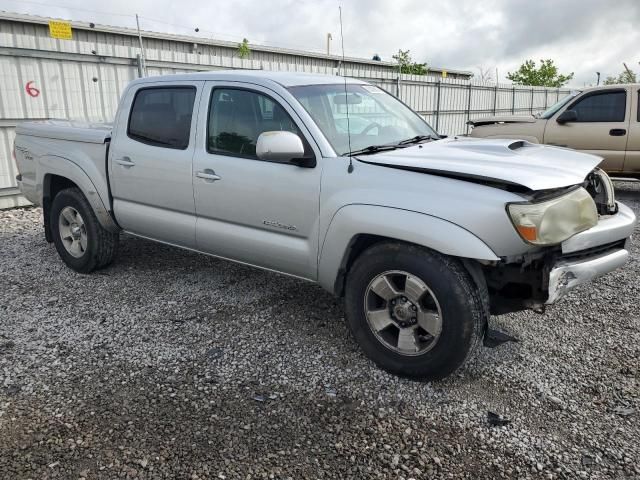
{"type": "Point", "coordinates": [86, 245]}
{"type": "Point", "coordinates": [448, 302]}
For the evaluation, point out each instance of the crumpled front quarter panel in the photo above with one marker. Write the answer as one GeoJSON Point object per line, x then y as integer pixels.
{"type": "Point", "coordinates": [478, 210]}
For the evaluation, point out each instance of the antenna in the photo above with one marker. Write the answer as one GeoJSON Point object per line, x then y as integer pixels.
{"type": "Point", "coordinates": [346, 100]}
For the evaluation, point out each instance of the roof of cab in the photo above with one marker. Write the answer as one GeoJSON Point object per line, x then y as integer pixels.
{"type": "Point", "coordinates": [611, 86]}
{"type": "Point", "coordinates": [261, 77]}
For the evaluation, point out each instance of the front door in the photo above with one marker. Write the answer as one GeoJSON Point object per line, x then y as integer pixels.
{"type": "Point", "coordinates": [150, 162]}
{"type": "Point", "coordinates": [258, 212]}
{"type": "Point", "coordinates": [601, 127]}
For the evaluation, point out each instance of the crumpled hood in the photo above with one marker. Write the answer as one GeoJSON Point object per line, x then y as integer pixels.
{"type": "Point", "coordinates": [515, 162]}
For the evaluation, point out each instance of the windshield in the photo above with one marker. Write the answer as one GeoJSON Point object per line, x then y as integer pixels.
{"type": "Point", "coordinates": [375, 117]}
{"type": "Point", "coordinates": [550, 112]}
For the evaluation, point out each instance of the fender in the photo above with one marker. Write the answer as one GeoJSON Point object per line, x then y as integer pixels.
{"type": "Point", "coordinates": [396, 224]}
{"type": "Point", "coordinates": [63, 167]}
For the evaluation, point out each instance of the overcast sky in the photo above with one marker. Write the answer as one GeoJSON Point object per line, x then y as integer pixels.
{"type": "Point", "coordinates": [582, 36]}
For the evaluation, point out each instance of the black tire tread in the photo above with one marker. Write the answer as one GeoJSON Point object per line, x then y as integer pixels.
{"type": "Point", "coordinates": [479, 296]}
{"type": "Point", "coordinates": [106, 242]}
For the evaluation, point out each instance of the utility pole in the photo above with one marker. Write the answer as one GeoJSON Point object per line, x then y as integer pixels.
{"type": "Point", "coordinates": [329, 38]}
{"type": "Point", "coordinates": [143, 62]}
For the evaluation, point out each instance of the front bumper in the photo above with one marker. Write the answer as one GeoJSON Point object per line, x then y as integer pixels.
{"type": "Point", "coordinates": [568, 273]}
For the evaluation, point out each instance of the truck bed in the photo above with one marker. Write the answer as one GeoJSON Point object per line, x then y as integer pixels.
{"type": "Point", "coordinates": [71, 149]}
{"type": "Point", "coordinates": [76, 131]}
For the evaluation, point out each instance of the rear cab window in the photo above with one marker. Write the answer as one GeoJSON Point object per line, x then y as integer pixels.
{"type": "Point", "coordinates": [161, 116]}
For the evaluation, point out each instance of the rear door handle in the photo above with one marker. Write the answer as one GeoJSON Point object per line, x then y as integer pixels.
{"type": "Point", "coordinates": [125, 162]}
{"type": "Point", "coordinates": [208, 175]}
{"type": "Point", "coordinates": [617, 132]}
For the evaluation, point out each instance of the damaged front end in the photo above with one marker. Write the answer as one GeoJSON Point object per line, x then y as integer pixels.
{"type": "Point", "coordinates": [543, 276]}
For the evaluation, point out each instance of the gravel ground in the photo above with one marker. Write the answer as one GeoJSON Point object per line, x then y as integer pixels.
{"type": "Point", "coordinates": [170, 364]}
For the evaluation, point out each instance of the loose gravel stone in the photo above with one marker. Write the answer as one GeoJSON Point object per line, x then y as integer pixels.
{"type": "Point", "coordinates": [169, 364]}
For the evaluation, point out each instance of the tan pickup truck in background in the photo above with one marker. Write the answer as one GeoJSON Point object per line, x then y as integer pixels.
{"type": "Point", "coordinates": [604, 121]}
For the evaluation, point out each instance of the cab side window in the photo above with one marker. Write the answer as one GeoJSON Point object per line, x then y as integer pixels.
{"type": "Point", "coordinates": [238, 117]}
{"type": "Point", "coordinates": [162, 116]}
{"type": "Point", "coordinates": [602, 107]}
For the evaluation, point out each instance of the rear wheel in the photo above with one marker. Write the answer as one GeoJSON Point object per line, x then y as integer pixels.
{"type": "Point", "coordinates": [414, 312]}
{"type": "Point", "coordinates": [82, 243]}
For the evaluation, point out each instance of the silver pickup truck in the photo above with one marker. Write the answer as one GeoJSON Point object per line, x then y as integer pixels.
{"type": "Point", "coordinates": [337, 182]}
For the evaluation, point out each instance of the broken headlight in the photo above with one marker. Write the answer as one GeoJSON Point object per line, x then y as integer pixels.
{"type": "Point", "coordinates": [553, 221]}
{"type": "Point", "coordinates": [600, 187]}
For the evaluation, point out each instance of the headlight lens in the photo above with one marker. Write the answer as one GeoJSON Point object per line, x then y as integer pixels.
{"type": "Point", "coordinates": [553, 221]}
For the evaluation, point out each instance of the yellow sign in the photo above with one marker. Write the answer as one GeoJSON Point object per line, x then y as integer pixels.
{"type": "Point", "coordinates": [444, 74]}
{"type": "Point", "coordinates": [60, 30]}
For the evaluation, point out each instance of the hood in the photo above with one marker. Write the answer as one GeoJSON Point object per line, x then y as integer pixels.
{"type": "Point", "coordinates": [502, 119]}
{"type": "Point", "coordinates": [511, 162]}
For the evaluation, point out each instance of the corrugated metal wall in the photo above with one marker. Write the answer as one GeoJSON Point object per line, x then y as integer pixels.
{"type": "Point", "coordinates": [83, 78]}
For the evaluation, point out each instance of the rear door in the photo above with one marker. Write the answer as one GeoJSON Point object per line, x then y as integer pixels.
{"type": "Point", "coordinates": [632, 159]}
{"type": "Point", "coordinates": [259, 212]}
{"type": "Point", "coordinates": [150, 161]}
{"type": "Point", "coordinates": [601, 127]}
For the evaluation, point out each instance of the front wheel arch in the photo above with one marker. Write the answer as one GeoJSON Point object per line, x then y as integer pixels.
{"type": "Point", "coordinates": [361, 242]}
{"type": "Point", "coordinates": [354, 228]}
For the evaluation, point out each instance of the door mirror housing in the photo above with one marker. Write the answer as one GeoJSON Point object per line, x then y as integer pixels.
{"type": "Point", "coordinates": [282, 146]}
{"type": "Point", "coordinates": [567, 116]}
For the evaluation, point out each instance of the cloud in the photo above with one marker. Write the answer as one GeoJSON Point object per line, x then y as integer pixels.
{"type": "Point", "coordinates": [582, 36]}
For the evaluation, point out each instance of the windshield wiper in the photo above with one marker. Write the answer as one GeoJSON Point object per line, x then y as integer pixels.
{"type": "Point", "coordinates": [372, 149]}
{"type": "Point", "coordinates": [417, 139]}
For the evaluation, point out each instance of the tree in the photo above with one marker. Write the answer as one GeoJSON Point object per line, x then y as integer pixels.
{"type": "Point", "coordinates": [485, 74]}
{"type": "Point", "coordinates": [407, 65]}
{"type": "Point", "coordinates": [243, 49]}
{"type": "Point", "coordinates": [624, 77]}
{"type": "Point", "coordinates": [546, 75]}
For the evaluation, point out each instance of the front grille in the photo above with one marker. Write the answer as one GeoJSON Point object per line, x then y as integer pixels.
{"type": "Point", "coordinates": [594, 251]}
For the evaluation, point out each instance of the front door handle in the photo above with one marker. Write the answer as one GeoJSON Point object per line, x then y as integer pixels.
{"type": "Point", "coordinates": [208, 175]}
{"type": "Point", "coordinates": [617, 132]}
{"type": "Point", "coordinates": [125, 162]}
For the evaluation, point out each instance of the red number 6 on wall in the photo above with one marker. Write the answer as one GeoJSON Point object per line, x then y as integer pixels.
{"type": "Point", "coordinates": [31, 90]}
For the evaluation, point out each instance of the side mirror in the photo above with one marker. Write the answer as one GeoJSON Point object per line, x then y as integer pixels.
{"type": "Point", "coordinates": [567, 116]}
{"type": "Point", "coordinates": [282, 146]}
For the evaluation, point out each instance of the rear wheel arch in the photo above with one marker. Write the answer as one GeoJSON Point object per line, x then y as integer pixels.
{"type": "Point", "coordinates": [51, 185]}
{"type": "Point", "coordinates": [69, 175]}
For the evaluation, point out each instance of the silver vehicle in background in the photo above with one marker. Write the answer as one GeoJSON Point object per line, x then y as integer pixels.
{"type": "Point", "coordinates": [339, 183]}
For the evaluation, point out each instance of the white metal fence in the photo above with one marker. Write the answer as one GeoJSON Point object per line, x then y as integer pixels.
{"type": "Point", "coordinates": [448, 104]}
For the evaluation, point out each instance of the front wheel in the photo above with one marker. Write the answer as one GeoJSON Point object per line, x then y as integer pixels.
{"type": "Point", "coordinates": [414, 312]}
{"type": "Point", "coordinates": [82, 243]}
